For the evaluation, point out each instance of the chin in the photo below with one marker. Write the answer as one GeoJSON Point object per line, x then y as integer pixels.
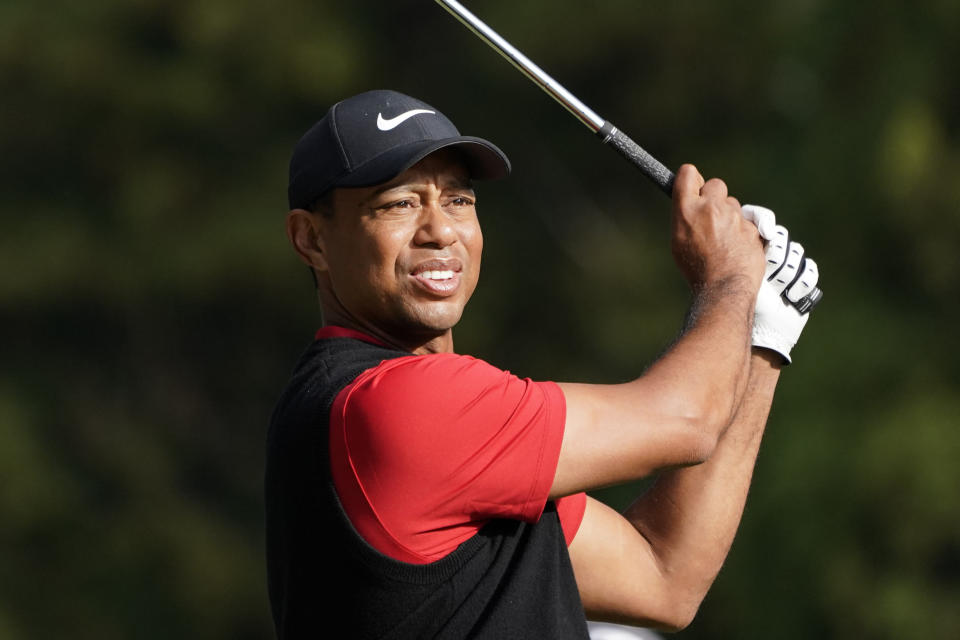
{"type": "Point", "coordinates": [439, 318]}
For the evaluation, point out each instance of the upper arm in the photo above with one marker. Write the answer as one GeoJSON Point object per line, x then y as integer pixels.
{"type": "Point", "coordinates": [617, 433]}
{"type": "Point", "coordinates": [433, 443]}
{"type": "Point", "coordinates": [619, 576]}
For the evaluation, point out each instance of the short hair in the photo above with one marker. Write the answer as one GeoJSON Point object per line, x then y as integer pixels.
{"type": "Point", "coordinates": [323, 204]}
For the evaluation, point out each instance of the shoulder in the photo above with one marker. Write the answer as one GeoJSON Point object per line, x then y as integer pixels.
{"type": "Point", "coordinates": [435, 380]}
{"type": "Point", "coordinates": [419, 398]}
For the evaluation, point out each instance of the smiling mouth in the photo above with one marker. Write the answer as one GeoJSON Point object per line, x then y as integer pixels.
{"type": "Point", "coordinates": [439, 277]}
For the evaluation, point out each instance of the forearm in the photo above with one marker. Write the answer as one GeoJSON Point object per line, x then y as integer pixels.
{"type": "Point", "coordinates": [672, 415]}
{"type": "Point", "coordinates": [690, 515]}
{"type": "Point", "coordinates": [705, 372]}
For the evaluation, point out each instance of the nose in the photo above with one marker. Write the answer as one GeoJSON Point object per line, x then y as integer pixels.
{"type": "Point", "coordinates": [436, 227]}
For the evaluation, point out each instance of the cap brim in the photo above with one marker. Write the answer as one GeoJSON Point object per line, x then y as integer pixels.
{"type": "Point", "coordinates": [485, 161]}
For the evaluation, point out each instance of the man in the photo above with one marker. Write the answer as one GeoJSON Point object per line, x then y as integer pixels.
{"type": "Point", "coordinates": [416, 493]}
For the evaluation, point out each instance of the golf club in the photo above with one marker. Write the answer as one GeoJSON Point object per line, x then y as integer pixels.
{"type": "Point", "coordinates": [648, 165]}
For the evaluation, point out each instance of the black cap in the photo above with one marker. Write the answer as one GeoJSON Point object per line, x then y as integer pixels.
{"type": "Point", "coordinates": [375, 136]}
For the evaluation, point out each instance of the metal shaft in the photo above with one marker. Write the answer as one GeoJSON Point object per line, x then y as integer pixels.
{"type": "Point", "coordinates": [526, 66]}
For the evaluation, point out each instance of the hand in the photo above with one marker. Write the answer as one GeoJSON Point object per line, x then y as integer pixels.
{"type": "Point", "coordinates": [789, 276]}
{"type": "Point", "coordinates": [712, 242]}
{"type": "Point", "coordinates": [763, 218]}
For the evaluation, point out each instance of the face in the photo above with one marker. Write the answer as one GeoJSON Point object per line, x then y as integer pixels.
{"type": "Point", "coordinates": [402, 259]}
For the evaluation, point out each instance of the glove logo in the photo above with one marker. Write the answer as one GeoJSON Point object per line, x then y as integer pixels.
{"type": "Point", "coordinates": [386, 124]}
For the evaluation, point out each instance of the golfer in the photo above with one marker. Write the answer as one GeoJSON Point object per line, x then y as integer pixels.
{"type": "Point", "coordinates": [414, 492]}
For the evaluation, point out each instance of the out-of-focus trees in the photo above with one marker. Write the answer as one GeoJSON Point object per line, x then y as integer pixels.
{"type": "Point", "coordinates": [151, 310]}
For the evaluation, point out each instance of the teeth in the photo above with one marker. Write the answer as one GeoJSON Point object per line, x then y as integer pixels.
{"type": "Point", "coordinates": [437, 275]}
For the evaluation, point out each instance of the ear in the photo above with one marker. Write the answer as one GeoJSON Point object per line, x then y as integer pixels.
{"type": "Point", "coordinates": [304, 230]}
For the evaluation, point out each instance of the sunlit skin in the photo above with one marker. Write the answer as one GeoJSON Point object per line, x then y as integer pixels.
{"type": "Point", "coordinates": [397, 261]}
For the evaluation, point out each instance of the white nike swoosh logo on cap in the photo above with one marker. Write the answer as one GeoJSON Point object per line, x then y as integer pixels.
{"type": "Point", "coordinates": [385, 124]}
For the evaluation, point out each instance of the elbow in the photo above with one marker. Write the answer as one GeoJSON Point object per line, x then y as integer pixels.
{"type": "Point", "coordinates": [705, 424]}
{"type": "Point", "coordinates": [696, 425]}
{"type": "Point", "coordinates": [677, 617]}
{"type": "Point", "coordinates": [678, 622]}
{"type": "Point", "coordinates": [670, 608]}
{"type": "Point", "coordinates": [671, 627]}
{"type": "Point", "coordinates": [714, 420]}
{"type": "Point", "coordinates": [706, 414]}
{"type": "Point", "coordinates": [699, 440]}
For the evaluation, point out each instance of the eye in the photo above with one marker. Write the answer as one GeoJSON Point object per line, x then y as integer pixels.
{"type": "Point", "coordinates": [461, 201]}
{"type": "Point", "coordinates": [398, 205]}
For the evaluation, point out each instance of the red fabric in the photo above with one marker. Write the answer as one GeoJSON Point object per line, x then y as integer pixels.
{"type": "Point", "coordinates": [425, 450]}
{"type": "Point", "coordinates": [333, 331]}
{"type": "Point", "coordinates": [571, 510]}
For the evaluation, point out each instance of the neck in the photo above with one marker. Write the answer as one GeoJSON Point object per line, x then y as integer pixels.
{"type": "Point", "coordinates": [415, 339]}
{"type": "Point", "coordinates": [439, 344]}
{"type": "Point", "coordinates": [418, 343]}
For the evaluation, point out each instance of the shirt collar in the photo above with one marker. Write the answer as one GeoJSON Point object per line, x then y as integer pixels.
{"type": "Point", "coordinates": [333, 331]}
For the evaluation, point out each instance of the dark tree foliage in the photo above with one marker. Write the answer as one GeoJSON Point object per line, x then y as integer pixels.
{"type": "Point", "coordinates": [151, 310]}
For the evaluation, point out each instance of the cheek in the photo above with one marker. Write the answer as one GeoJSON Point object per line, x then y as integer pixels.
{"type": "Point", "coordinates": [357, 262]}
{"type": "Point", "coordinates": [473, 240]}
{"type": "Point", "coordinates": [383, 255]}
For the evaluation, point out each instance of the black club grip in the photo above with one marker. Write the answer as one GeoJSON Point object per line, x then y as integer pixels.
{"type": "Point", "coordinates": [650, 166]}
{"type": "Point", "coordinates": [663, 178]}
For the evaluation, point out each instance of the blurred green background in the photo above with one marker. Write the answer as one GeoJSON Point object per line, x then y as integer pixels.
{"type": "Point", "coordinates": [151, 309]}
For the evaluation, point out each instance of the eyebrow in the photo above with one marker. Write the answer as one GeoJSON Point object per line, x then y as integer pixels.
{"type": "Point", "coordinates": [453, 184]}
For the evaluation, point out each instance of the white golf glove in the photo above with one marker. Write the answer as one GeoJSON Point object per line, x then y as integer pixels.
{"type": "Point", "coordinates": [788, 278]}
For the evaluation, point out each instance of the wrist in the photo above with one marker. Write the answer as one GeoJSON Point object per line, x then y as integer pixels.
{"type": "Point", "coordinates": [733, 286]}
{"type": "Point", "coordinates": [767, 337]}
{"type": "Point", "coordinates": [767, 358]}
{"type": "Point", "coordinates": [731, 293]}
{"type": "Point", "coordinates": [736, 289]}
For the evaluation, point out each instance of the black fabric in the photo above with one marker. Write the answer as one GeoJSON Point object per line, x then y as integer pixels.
{"type": "Point", "coordinates": [374, 136]}
{"type": "Point", "coordinates": [511, 580]}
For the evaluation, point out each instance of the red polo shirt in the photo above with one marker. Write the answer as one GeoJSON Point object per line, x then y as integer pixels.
{"type": "Point", "coordinates": [425, 450]}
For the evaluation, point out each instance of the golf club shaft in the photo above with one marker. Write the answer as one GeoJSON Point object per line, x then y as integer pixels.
{"type": "Point", "coordinates": [648, 165]}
